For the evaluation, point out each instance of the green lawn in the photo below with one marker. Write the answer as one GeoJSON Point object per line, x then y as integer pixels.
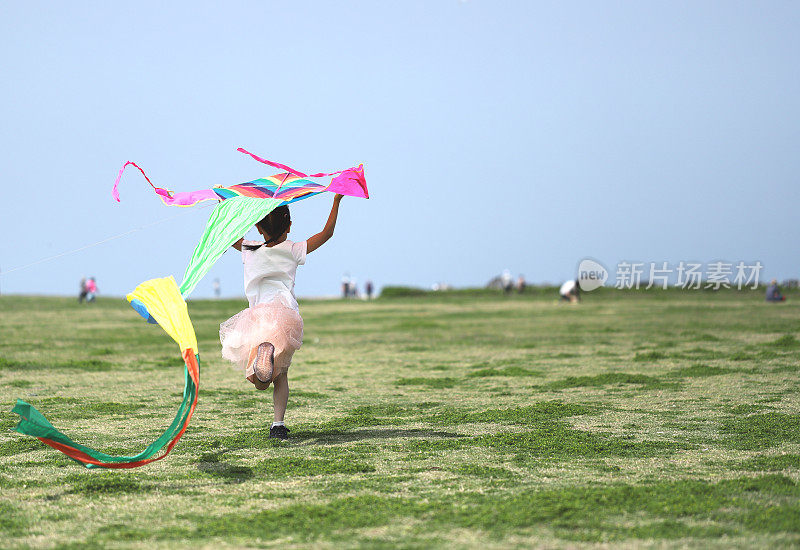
{"type": "Point", "coordinates": [664, 419]}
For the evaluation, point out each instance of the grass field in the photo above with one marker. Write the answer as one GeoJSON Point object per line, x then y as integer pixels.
{"type": "Point", "coordinates": [664, 419]}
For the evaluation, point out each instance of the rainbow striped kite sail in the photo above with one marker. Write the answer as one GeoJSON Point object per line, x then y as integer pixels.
{"type": "Point", "coordinates": [287, 187]}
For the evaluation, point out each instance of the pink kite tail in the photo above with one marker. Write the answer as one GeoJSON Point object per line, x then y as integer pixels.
{"type": "Point", "coordinates": [284, 167]}
{"type": "Point", "coordinates": [115, 191]}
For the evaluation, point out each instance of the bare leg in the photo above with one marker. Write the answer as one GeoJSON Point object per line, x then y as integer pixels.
{"type": "Point", "coordinates": [280, 396]}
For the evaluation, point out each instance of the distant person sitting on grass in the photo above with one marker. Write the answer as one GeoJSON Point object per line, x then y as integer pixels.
{"type": "Point", "coordinates": [82, 295]}
{"type": "Point", "coordinates": [570, 292]}
{"type": "Point", "coordinates": [506, 281]}
{"type": "Point", "coordinates": [91, 290]}
{"type": "Point", "coordinates": [774, 292]}
{"type": "Point", "coordinates": [521, 284]}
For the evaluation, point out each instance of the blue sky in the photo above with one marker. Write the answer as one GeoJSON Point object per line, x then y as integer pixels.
{"type": "Point", "coordinates": [495, 135]}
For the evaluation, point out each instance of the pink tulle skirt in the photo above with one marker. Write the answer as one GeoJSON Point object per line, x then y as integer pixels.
{"type": "Point", "coordinates": [275, 322]}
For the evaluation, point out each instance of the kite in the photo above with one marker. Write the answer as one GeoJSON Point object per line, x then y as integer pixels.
{"type": "Point", "coordinates": [162, 302]}
{"type": "Point", "coordinates": [246, 203]}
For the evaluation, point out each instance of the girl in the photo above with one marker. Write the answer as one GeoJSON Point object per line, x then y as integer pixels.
{"type": "Point", "coordinates": [262, 338]}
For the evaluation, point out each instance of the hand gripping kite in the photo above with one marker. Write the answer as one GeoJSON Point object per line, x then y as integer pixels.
{"type": "Point", "coordinates": [160, 301]}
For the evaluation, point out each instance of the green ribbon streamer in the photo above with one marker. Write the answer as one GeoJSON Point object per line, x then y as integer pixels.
{"type": "Point", "coordinates": [34, 423]}
{"type": "Point", "coordinates": [229, 221]}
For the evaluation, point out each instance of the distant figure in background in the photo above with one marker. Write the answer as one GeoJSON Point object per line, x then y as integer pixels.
{"type": "Point", "coordinates": [91, 290]}
{"type": "Point", "coordinates": [82, 295]}
{"type": "Point", "coordinates": [217, 288]}
{"type": "Point", "coordinates": [353, 288]}
{"type": "Point", "coordinates": [521, 284]}
{"type": "Point", "coordinates": [570, 292]}
{"type": "Point", "coordinates": [506, 281]}
{"type": "Point", "coordinates": [345, 285]}
{"type": "Point", "coordinates": [368, 288]}
{"type": "Point", "coordinates": [774, 292]}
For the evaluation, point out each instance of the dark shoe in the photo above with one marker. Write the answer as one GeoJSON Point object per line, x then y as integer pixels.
{"type": "Point", "coordinates": [279, 432]}
{"type": "Point", "coordinates": [262, 364]}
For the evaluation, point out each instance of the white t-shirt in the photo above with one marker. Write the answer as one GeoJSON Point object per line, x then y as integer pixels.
{"type": "Point", "coordinates": [567, 287]}
{"type": "Point", "coordinates": [269, 272]}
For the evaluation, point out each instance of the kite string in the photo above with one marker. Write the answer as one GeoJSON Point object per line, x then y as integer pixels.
{"type": "Point", "coordinates": [92, 245]}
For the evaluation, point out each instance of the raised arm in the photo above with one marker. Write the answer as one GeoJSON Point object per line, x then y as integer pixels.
{"type": "Point", "coordinates": [322, 237]}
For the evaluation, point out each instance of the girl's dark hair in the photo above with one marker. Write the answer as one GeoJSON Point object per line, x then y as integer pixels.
{"type": "Point", "coordinates": [273, 224]}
